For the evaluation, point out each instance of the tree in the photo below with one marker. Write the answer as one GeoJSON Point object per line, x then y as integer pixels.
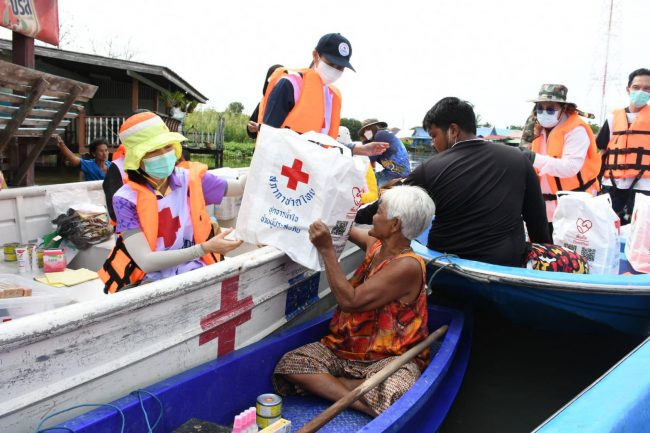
{"type": "Point", "coordinates": [353, 125]}
{"type": "Point", "coordinates": [479, 121]}
{"type": "Point", "coordinates": [235, 108]}
{"type": "Point", "coordinates": [595, 128]}
{"type": "Point", "coordinates": [516, 127]}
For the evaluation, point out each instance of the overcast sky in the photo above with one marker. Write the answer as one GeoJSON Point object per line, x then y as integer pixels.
{"type": "Point", "coordinates": [408, 54]}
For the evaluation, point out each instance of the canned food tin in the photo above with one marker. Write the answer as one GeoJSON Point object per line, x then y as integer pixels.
{"type": "Point", "coordinates": [269, 406]}
{"type": "Point", "coordinates": [10, 251]}
{"type": "Point", "coordinates": [264, 422]}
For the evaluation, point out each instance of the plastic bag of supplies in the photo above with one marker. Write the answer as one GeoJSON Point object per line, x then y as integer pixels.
{"type": "Point", "coordinates": [589, 226]}
{"type": "Point", "coordinates": [637, 248]}
{"type": "Point", "coordinates": [294, 180]}
{"type": "Point", "coordinates": [83, 228]}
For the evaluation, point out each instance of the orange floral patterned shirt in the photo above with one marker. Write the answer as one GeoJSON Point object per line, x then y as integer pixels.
{"type": "Point", "coordinates": [383, 332]}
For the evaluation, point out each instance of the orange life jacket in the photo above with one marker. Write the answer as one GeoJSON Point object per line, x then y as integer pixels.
{"type": "Point", "coordinates": [628, 151]}
{"type": "Point", "coordinates": [117, 155]}
{"type": "Point", "coordinates": [308, 113]}
{"type": "Point", "coordinates": [119, 269]}
{"type": "Point", "coordinates": [119, 152]}
{"type": "Point", "coordinates": [588, 174]}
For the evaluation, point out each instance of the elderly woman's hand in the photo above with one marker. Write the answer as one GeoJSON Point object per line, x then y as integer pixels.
{"type": "Point", "coordinates": [319, 235]}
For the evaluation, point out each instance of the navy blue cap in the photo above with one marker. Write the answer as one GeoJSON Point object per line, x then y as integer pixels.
{"type": "Point", "coordinates": [337, 49]}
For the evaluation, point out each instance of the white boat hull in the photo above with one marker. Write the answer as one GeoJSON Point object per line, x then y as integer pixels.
{"type": "Point", "coordinates": [98, 350]}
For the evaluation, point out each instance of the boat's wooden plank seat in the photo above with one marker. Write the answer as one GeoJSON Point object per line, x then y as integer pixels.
{"type": "Point", "coordinates": [36, 104]}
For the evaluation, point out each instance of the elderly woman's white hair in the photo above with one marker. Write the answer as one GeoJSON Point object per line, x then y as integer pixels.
{"type": "Point", "coordinates": [412, 205]}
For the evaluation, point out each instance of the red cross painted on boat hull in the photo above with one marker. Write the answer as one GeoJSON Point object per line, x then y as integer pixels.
{"type": "Point", "coordinates": [295, 174]}
{"type": "Point", "coordinates": [235, 312]}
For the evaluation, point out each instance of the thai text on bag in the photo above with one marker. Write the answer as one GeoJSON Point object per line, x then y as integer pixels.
{"type": "Point", "coordinates": [294, 180]}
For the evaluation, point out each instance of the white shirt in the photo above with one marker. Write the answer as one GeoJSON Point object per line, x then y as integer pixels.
{"type": "Point", "coordinates": [625, 182]}
{"type": "Point", "coordinates": [574, 152]}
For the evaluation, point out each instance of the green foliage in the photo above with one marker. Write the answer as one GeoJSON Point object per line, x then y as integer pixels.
{"type": "Point", "coordinates": [595, 128]}
{"type": "Point", "coordinates": [353, 125]}
{"type": "Point", "coordinates": [235, 108]}
{"type": "Point", "coordinates": [516, 128]}
{"type": "Point", "coordinates": [202, 120]}
{"type": "Point", "coordinates": [207, 121]}
{"type": "Point", "coordinates": [234, 150]}
{"type": "Point", "coordinates": [179, 100]}
{"type": "Point", "coordinates": [235, 128]}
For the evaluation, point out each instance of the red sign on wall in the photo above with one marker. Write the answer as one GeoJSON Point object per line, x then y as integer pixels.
{"type": "Point", "coordinates": [38, 19]}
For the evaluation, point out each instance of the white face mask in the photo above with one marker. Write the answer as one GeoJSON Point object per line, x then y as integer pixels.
{"type": "Point", "coordinates": [327, 73]}
{"type": "Point", "coordinates": [548, 120]}
{"type": "Point", "coordinates": [368, 134]}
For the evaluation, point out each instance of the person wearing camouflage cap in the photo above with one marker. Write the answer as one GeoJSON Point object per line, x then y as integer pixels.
{"type": "Point", "coordinates": [625, 137]}
{"type": "Point", "coordinates": [563, 149]}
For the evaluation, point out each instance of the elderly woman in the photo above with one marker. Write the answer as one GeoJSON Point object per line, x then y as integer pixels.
{"type": "Point", "coordinates": [381, 312]}
{"type": "Point", "coordinates": [162, 222]}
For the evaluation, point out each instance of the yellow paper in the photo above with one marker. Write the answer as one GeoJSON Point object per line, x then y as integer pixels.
{"type": "Point", "coordinates": [70, 277]}
{"type": "Point", "coordinates": [44, 280]}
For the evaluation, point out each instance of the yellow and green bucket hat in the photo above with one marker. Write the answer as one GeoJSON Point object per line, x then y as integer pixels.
{"type": "Point", "coordinates": [143, 133]}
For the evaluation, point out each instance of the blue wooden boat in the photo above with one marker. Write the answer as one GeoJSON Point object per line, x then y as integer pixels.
{"type": "Point", "coordinates": [218, 390]}
{"type": "Point", "coordinates": [619, 401]}
{"type": "Point", "coordinates": [546, 300]}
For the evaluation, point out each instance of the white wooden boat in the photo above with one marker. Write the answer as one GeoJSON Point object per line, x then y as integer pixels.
{"type": "Point", "coordinates": [102, 347]}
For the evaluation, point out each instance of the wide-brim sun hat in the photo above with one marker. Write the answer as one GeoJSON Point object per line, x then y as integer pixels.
{"type": "Point", "coordinates": [371, 122]}
{"type": "Point", "coordinates": [143, 133]}
{"type": "Point", "coordinates": [553, 93]}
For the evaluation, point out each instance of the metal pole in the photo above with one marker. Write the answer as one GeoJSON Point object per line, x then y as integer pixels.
{"type": "Point", "coordinates": [609, 35]}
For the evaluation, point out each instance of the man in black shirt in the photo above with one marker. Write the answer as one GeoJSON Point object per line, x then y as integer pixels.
{"type": "Point", "coordinates": [482, 191]}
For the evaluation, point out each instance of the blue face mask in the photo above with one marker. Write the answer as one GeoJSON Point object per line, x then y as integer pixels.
{"type": "Point", "coordinates": [639, 98]}
{"type": "Point", "coordinates": [160, 166]}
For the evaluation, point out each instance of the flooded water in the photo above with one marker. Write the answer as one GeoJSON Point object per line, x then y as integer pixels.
{"type": "Point", "coordinates": [517, 377]}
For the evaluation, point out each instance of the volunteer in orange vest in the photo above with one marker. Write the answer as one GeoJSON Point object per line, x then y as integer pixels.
{"type": "Point", "coordinates": [163, 226]}
{"type": "Point", "coordinates": [625, 137]}
{"type": "Point", "coordinates": [306, 100]}
{"type": "Point", "coordinates": [564, 152]}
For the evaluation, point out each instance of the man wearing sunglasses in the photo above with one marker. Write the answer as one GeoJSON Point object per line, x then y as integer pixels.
{"type": "Point", "coordinates": [625, 137]}
{"type": "Point", "coordinates": [563, 151]}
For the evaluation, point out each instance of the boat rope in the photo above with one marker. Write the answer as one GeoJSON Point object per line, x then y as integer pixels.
{"type": "Point", "coordinates": [449, 264]}
{"type": "Point", "coordinates": [38, 427]}
{"type": "Point", "coordinates": [138, 393]}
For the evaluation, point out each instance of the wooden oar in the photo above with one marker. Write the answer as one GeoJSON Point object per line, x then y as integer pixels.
{"type": "Point", "coordinates": [383, 374]}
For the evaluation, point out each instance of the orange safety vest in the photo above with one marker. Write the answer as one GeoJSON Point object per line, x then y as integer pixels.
{"type": "Point", "coordinates": [628, 151]}
{"type": "Point", "coordinates": [588, 174]}
{"type": "Point", "coordinates": [308, 113]}
{"type": "Point", "coordinates": [119, 269]}
{"type": "Point", "coordinates": [119, 152]}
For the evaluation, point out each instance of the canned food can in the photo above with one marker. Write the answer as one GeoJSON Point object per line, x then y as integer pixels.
{"type": "Point", "coordinates": [268, 409]}
{"type": "Point", "coordinates": [9, 250]}
{"type": "Point", "coordinates": [263, 422]}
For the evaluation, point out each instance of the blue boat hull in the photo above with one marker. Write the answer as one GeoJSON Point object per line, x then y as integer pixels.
{"type": "Point", "coordinates": [218, 390]}
{"type": "Point", "coordinates": [617, 402]}
{"type": "Point", "coordinates": [546, 300]}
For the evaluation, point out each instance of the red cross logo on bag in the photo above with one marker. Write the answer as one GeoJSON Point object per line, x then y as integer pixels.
{"type": "Point", "coordinates": [583, 226]}
{"type": "Point", "coordinates": [295, 174]}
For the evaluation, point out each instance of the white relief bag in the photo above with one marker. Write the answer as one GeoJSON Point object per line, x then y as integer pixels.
{"type": "Point", "coordinates": [637, 248]}
{"type": "Point", "coordinates": [294, 181]}
{"type": "Point", "coordinates": [589, 226]}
